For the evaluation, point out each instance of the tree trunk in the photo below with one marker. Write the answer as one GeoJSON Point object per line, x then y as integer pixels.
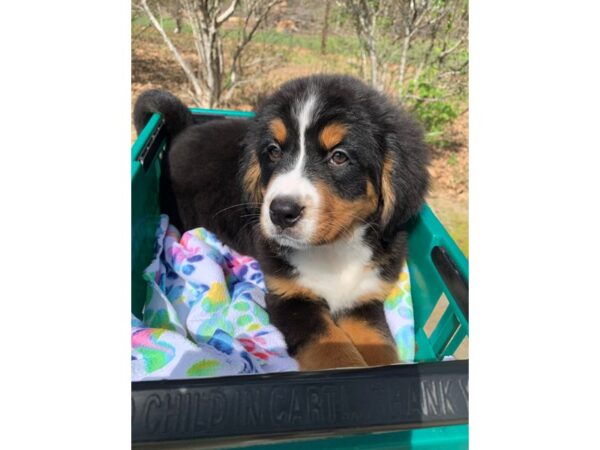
{"type": "Point", "coordinates": [403, 58]}
{"type": "Point", "coordinates": [325, 30]}
{"type": "Point", "coordinates": [205, 18]}
{"type": "Point", "coordinates": [210, 53]}
{"type": "Point", "coordinates": [363, 63]}
{"type": "Point", "coordinates": [373, 58]}
{"type": "Point", "coordinates": [211, 63]}
{"type": "Point", "coordinates": [373, 54]}
{"type": "Point", "coordinates": [184, 65]}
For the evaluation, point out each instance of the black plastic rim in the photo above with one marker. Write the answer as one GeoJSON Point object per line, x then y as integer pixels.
{"type": "Point", "coordinates": [293, 403]}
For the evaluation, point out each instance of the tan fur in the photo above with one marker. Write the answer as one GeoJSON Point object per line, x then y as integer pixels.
{"type": "Point", "coordinates": [287, 287]}
{"type": "Point", "coordinates": [331, 350]}
{"type": "Point", "coordinates": [332, 135]}
{"type": "Point", "coordinates": [387, 190]}
{"type": "Point", "coordinates": [279, 130]}
{"type": "Point", "coordinates": [337, 215]}
{"type": "Point", "coordinates": [252, 180]}
{"type": "Point", "coordinates": [376, 349]}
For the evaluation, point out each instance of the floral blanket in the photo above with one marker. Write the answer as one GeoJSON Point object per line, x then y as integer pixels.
{"type": "Point", "coordinates": [205, 313]}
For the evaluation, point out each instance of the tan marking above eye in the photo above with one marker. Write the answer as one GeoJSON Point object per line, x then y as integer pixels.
{"type": "Point", "coordinates": [279, 130]}
{"type": "Point", "coordinates": [332, 135]}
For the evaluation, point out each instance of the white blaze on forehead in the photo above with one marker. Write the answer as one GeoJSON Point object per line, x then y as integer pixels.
{"type": "Point", "coordinates": [304, 118]}
{"type": "Point", "coordinates": [294, 183]}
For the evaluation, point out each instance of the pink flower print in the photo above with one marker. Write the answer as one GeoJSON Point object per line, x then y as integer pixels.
{"type": "Point", "coordinates": [177, 256]}
{"type": "Point", "coordinates": [248, 344]}
{"type": "Point", "coordinates": [252, 348]}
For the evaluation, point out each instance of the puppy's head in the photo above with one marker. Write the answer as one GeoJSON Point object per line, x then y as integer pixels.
{"type": "Point", "coordinates": [326, 154]}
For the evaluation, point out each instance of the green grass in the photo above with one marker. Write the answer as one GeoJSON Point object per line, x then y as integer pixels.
{"type": "Point", "coordinates": [455, 219]}
{"type": "Point", "coordinates": [340, 45]}
{"type": "Point", "coordinates": [459, 230]}
{"type": "Point", "coordinates": [138, 23]}
{"type": "Point", "coordinates": [344, 46]}
{"type": "Point", "coordinates": [347, 46]}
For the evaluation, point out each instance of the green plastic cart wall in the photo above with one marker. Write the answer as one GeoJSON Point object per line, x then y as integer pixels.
{"type": "Point", "coordinates": [437, 269]}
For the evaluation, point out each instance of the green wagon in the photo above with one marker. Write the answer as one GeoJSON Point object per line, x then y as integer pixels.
{"type": "Point", "coordinates": [422, 405]}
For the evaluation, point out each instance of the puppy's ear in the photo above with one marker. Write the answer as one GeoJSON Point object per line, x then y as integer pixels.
{"type": "Point", "coordinates": [404, 176]}
{"type": "Point", "coordinates": [251, 177]}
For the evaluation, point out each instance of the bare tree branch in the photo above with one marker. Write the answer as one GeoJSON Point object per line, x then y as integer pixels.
{"type": "Point", "coordinates": [184, 65]}
{"type": "Point", "coordinates": [446, 52]}
{"type": "Point", "coordinates": [388, 29]}
{"type": "Point", "coordinates": [325, 29]}
{"type": "Point", "coordinates": [227, 13]}
{"type": "Point", "coordinates": [365, 20]}
{"type": "Point", "coordinates": [260, 11]}
{"type": "Point", "coordinates": [211, 82]}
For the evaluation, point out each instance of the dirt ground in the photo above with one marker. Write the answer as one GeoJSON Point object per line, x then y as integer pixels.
{"type": "Point", "coordinates": [449, 192]}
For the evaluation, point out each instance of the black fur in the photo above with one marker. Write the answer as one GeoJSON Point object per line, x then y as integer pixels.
{"type": "Point", "coordinates": [198, 182]}
{"type": "Point", "coordinates": [203, 178]}
{"type": "Point", "coordinates": [371, 313]}
{"type": "Point", "coordinates": [287, 315]}
{"type": "Point", "coordinates": [176, 115]}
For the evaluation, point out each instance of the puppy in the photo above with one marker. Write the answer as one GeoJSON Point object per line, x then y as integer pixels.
{"type": "Point", "coordinates": [318, 187]}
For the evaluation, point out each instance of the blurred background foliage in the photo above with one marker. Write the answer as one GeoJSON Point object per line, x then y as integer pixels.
{"type": "Point", "coordinates": [232, 53]}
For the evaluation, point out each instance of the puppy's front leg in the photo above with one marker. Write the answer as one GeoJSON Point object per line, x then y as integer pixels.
{"type": "Point", "coordinates": [367, 327]}
{"type": "Point", "coordinates": [311, 335]}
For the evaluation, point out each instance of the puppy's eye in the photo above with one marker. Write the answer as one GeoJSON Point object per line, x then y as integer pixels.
{"type": "Point", "coordinates": [339, 158]}
{"type": "Point", "coordinates": [275, 153]}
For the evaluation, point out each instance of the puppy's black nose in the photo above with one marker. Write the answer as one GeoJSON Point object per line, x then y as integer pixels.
{"type": "Point", "coordinates": [285, 211]}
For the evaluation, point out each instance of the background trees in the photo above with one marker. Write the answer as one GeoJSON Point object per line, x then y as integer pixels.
{"type": "Point", "coordinates": [231, 53]}
{"type": "Point", "coordinates": [211, 77]}
{"type": "Point", "coordinates": [415, 50]}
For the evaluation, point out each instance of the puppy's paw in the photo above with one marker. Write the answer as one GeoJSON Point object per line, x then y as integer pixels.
{"type": "Point", "coordinates": [329, 354]}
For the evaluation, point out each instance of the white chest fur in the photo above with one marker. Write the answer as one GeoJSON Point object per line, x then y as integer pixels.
{"type": "Point", "coordinates": [338, 272]}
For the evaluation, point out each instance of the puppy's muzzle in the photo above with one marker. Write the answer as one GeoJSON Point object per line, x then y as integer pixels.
{"type": "Point", "coordinates": [285, 211]}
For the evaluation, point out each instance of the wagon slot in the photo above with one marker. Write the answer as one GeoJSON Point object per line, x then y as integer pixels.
{"type": "Point", "coordinates": [153, 145]}
{"type": "Point", "coordinates": [452, 277]}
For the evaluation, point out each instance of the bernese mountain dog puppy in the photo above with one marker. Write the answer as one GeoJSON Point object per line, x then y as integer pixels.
{"type": "Point", "coordinates": [318, 187]}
